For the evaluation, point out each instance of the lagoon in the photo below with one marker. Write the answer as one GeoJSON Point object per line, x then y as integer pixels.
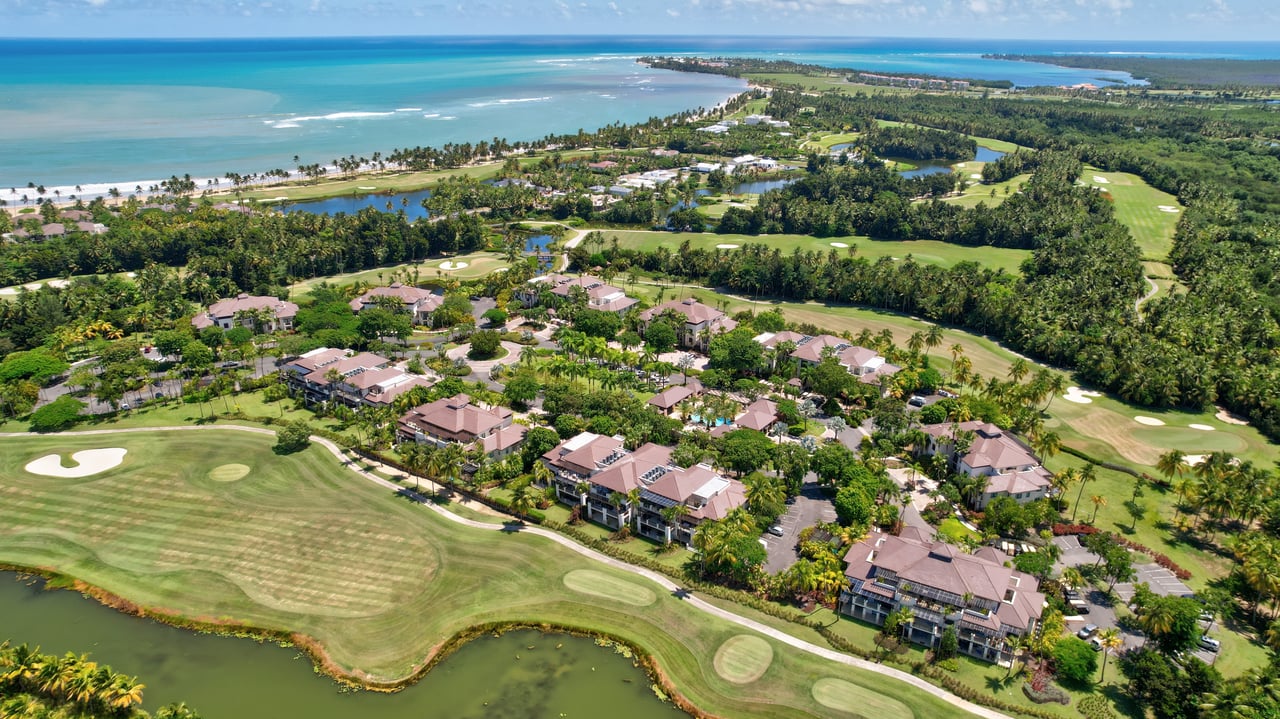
{"type": "Point", "coordinates": [232, 678]}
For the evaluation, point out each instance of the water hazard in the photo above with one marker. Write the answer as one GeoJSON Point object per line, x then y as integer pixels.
{"type": "Point", "coordinates": [230, 678]}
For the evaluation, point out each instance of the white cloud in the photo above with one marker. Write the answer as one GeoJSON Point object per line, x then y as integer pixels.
{"type": "Point", "coordinates": [673, 13]}
{"type": "Point", "coordinates": [96, 3]}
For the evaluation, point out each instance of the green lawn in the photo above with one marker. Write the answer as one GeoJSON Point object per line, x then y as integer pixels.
{"type": "Point", "coordinates": [924, 251]}
{"type": "Point", "coordinates": [980, 193]}
{"type": "Point", "coordinates": [302, 544]}
{"type": "Point", "coordinates": [429, 271]}
{"type": "Point", "coordinates": [1137, 207]}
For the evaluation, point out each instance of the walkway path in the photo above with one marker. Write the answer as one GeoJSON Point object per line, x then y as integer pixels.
{"type": "Point", "coordinates": [661, 580]}
{"type": "Point", "coordinates": [1152, 293]}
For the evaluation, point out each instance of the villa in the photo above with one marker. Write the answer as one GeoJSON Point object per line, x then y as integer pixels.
{"type": "Point", "coordinates": [865, 364]}
{"type": "Point", "coordinates": [600, 296]}
{"type": "Point", "coordinates": [975, 594]}
{"type": "Point", "coordinates": [599, 474]}
{"type": "Point", "coordinates": [417, 302]}
{"type": "Point", "coordinates": [364, 379]}
{"type": "Point", "coordinates": [457, 420]}
{"type": "Point", "coordinates": [270, 314]}
{"type": "Point", "coordinates": [1008, 464]}
{"type": "Point", "coordinates": [700, 321]}
{"type": "Point", "coordinates": [668, 399]}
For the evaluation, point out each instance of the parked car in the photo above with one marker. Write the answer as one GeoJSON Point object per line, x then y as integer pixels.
{"type": "Point", "coordinates": [947, 393]}
{"type": "Point", "coordinates": [1096, 643]}
{"type": "Point", "coordinates": [917, 401]}
{"type": "Point", "coordinates": [1087, 631]}
{"type": "Point", "coordinates": [1079, 606]}
{"type": "Point", "coordinates": [1210, 644]}
{"type": "Point", "coordinates": [776, 530]}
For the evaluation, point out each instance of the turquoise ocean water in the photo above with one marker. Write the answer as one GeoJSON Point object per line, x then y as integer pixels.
{"type": "Point", "coordinates": [125, 112]}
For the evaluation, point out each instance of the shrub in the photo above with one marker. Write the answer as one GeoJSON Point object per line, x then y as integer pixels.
{"type": "Point", "coordinates": [294, 437]}
{"type": "Point", "coordinates": [1046, 694]}
{"type": "Point", "coordinates": [58, 415]}
{"type": "Point", "coordinates": [1095, 706]}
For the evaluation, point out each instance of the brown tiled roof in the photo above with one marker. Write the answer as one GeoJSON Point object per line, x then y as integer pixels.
{"type": "Point", "coordinates": [694, 311]}
{"type": "Point", "coordinates": [242, 303]}
{"type": "Point", "coordinates": [455, 418]}
{"type": "Point", "coordinates": [811, 349]}
{"type": "Point", "coordinates": [505, 438]}
{"type": "Point", "coordinates": [584, 454]}
{"type": "Point", "coordinates": [758, 415]}
{"type": "Point", "coordinates": [672, 396]}
{"type": "Point", "coordinates": [407, 294]}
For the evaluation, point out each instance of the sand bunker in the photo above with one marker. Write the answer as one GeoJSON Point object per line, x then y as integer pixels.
{"type": "Point", "coordinates": [846, 696]}
{"type": "Point", "coordinates": [1201, 427]}
{"type": "Point", "coordinates": [743, 659]}
{"type": "Point", "coordinates": [1101, 180]}
{"type": "Point", "coordinates": [1193, 459]}
{"type": "Point", "coordinates": [1166, 208]}
{"type": "Point", "coordinates": [1080, 396]}
{"type": "Point", "coordinates": [33, 286]}
{"type": "Point", "coordinates": [975, 176]}
{"type": "Point", "coordinates": [131, 275]}
{"type": "Point", "coordinates": [1225, 416]}
{"type": "Point", "coordinates": [229, 472]}
{"type": "Point", "coordinates": [452, 265]}
{"type": "Point", "coordinates": [726, 247]}
{"type": "Point", "coordinates": [59, 284]}
{"type": "Point", "coordinates": [8, 291]}
{"type": "Point", "coordinates": [841, 245]}
{"type": "Point", "coordinates": [1149, 421]}
{"type": "Point", "coordinates": [367, 187]}
{"type": "Point", "coordinates": [607, 586]}
{"type": "Point", "coordinates": [88, 462]}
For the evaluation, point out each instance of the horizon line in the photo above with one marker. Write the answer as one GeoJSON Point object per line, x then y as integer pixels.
{"type": "Point", "coordinates": [664, 36]}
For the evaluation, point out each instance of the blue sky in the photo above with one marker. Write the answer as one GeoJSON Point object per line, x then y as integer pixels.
{"type": "Point", "coordinates": [1029, 19]}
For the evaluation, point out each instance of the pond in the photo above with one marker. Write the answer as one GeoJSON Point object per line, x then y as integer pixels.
{"type": "Point", "coordinates": [759, 187]}
{"type": "Point", "coordinates": [537, 245]}
{"type": "Point", "coordinates": [923, 168]}
{"type": "Point", "coordinates": [410, 202]}
{"type": "Point", "coordinates": [230, 678]}
{"type": "Point", "coordinates": [986, 154]}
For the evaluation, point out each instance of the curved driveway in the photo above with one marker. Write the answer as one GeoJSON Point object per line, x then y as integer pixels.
{"type": "Point", "coordinates": [661, 580]}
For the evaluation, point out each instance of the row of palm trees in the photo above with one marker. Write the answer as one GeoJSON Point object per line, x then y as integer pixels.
{"type": "Point", "coordinates": [1220, 488]}
{"type": "Point", "coordinates": [70, 679]}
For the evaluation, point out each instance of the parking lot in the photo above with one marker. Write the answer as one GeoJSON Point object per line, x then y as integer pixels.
{"type": "Point", "coordinates": [809, 508]}
{"type": "Point", "coordinates": [1102, 612]}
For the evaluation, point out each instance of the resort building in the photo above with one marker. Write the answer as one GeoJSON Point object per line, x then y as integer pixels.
{"type": "Point", "coordinates": [1008, 464]}
{"type": "Point", "coordinates": [457, 419]}
{"type": "Point", "coordinates": [417, 302]}
{"type": "Point", "coordinates": [760, 415]}
{"type": "Point", "coordinates": [865, 364]}
{"type": "Point", "coordinates": [983, 600]}
{"type": "Point", "coordinates": [617, 487]}
{"type": "Point", "coordinates": [265, 314]}
{"type": "Point", "coordinates": [668, 399]}
{"type": "Point", "coordinates": [599, 295]}
{"type": "Point", "coordinates": [324, 375]}
{"type": "Point", "coordinates": [701, 322]}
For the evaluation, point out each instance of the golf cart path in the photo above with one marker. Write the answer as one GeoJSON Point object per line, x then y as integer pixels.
{"type": "Point", "coordinates": [800, 644]}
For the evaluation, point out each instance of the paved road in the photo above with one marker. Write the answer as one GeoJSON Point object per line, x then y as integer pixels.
{"type": "Point", "coordinates": [661, 580]}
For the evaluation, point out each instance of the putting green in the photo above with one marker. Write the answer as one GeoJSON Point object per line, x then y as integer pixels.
{"type": "Point", "coordinates": [599, 584]}
{"type": "Point", "coordinates": [229, 472]}
{"type": "Point", "coordinates": [849, 697]}
{"type": "Point", "coordinates": [1188, 440]}
{"type": "Point", "coordinates": [743, 659]}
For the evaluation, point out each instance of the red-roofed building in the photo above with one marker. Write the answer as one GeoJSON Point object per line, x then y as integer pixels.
{"type": "Point", "coordinates": [701, 322]}
{"type": "Point", "coordinates": [1009, 466]}
{"type": "Point", "coordinates": [325, 374]}
{"type": "Point", "coordinates": [417, 302]}
{"type": "Point", "coordinates": [270, 313]}
{"type": "Point", "coordinates": [616, 487]}
{"type": "Point", "coordinates": [944, 587]}
{"type": "Point", "coordinates": [455, 419]}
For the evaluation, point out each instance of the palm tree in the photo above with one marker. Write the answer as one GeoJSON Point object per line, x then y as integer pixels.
{"type": "Point", "coordinates": [1013, 643]}
{"type": "Point", "coordinates": [837, 425]}
{"type": "Point", "coordinates": [1087, 475]}
{"type": "Point", "coordinates": [1110, 640]}
{"type": "Point", "coordinates": [522, 501]}
{"type": "Point", "coordinates": [1072, 577]}
{"type": "Point", "coordinates": [1171, 463]}
{"type": "Point", "coordinates": [1098, 500]}
{"type": "Point", "coordinates": [933, 336]}
{"type": "Point", "coordinates": [1018, 369]}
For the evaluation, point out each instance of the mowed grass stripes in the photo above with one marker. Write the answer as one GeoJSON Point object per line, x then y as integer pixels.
{"type": "Point", "coordinates": [300, 543]}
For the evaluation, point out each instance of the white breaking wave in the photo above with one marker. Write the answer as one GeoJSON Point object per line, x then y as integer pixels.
{"type": "Point", "coordinates": [508, 101]}
{"type": "Point", "coordinates": [431, 115]}
{"type": "Point", "coordinates": [285, 125]}
{"type": "Point", "coordinates": [408, 109]}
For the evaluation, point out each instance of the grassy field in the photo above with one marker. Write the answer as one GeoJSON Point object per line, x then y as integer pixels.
{"type": "Point", "coordinates": [977, 192]}
{"type": "Point", "coordinates": [924, 251]}
{"type": "Point", "coordinates": [301, 544]}
{"type": "Point", "coordinates": [1137, 207]}
{"type": "Point", "coordinates": [479, 264]}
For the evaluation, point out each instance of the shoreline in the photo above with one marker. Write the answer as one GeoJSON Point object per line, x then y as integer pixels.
{"type": "Point", "coordinates": [54, 580]}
